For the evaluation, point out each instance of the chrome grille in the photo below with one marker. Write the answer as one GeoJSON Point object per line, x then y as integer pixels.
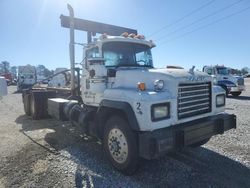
{"type": "Point", "coordinates": [193, 99]}
{"type": "Point", "coordinates": [240, 81]}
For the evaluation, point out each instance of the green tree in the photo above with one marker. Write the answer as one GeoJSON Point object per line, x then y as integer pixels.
{"type": "Point", "coordinates": [245, 70]}
{"type": "Point", "coordinates": [5, 66]}
{"type": "Point", "coordinates": [43, 71]}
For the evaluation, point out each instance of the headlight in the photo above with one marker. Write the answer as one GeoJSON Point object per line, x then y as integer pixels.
{"type": "Point", "coordinates": [160, 111]}
{"type": "Point", "coordinates": [159, 85]}
{"type": "Point", "coordinates": [220, 100]}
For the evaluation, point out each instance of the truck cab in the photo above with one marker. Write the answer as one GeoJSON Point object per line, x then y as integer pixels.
{"type": "Point", "coordinates": [233, 85]}
{"type": "Point", "coordinates": [165, 109]}
{"type": "Point", "coordinates": [26, 77]}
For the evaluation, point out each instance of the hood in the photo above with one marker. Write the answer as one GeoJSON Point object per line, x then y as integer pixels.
{"type": "Point", "coordinates": [178, 73]}
{"type": "Point", "coordinates": [129, 77]}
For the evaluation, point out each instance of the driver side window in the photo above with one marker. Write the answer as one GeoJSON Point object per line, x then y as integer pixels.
{"type": "Point", "coordinates": [93, 52]}
{"type": "Point", "coordinates": [140, 58]}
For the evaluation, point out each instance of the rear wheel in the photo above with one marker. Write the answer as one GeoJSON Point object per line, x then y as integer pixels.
{"type": "Point", "coordinates": [120, 145]}
{"type": "Point", "coordinates": [236, 94]}
{"type": "Point", "coordinates": [38, 105]}
{"type": "Point", "coordinates": [26, 104]}
{"type": "Point", "coordinates": [67, 108]}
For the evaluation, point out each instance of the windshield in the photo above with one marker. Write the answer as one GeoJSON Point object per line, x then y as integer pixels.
{"type": "Point", "coordinates": [27, 76]}
{"type": "Point", "coordinates": [127, 54]}
{"type": "Point", "coordinates": [223, 70]}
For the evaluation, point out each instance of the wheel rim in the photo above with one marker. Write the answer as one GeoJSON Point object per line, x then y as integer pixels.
{"type": "Point", "coordinates": [118, 146]}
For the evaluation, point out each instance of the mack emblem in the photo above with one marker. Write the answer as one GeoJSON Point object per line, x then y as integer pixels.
{"type": "Point", "coordinates": [193, 78]}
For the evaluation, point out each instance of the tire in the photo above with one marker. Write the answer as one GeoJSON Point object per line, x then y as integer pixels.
{"type": "Point", "coordinates": [38, 105]}
{"type": "Point", "coordinates": [67, 107]}
{"type": "Point", "coordinates": [84, 120]}
{"type": "Point", "coordinates": [195, 145]}
{"type": "Point", "coordinates": [225, 88]}
{"type": "Point", "coordinates": [120, 145]}
{"type": "Point", "coordinates": [26, 104]}
{"type": "Point", "coordinates": [236, 94]}
{"type": "Point", "coordinates": [25, 92]}
{"type": "Point", "coordinates": [74, 114]}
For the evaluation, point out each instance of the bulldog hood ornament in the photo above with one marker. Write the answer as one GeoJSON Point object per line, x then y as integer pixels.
{"type": "Point", "coordinates": [191, 71]}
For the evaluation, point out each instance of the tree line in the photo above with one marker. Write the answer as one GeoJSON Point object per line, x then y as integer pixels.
{"type": "Point", "coordinates": [5, 67]}
{"type": "Point", "coordinates": [43, 71]}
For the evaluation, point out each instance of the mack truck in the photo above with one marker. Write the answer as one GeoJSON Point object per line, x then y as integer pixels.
{"type": "Point", "coordinates": [26, 77]}
{"type": "Point", "coordinates": [233, 85]}
{"type": "Point", "coordinates": [135, 110]}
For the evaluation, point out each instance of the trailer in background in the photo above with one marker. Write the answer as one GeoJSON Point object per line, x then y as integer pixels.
{"type": "Point", "coordinates": [26, 77]}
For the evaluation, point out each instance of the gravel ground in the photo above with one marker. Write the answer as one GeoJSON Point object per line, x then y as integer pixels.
{"type": "Point", "coordinates": [50, 153]}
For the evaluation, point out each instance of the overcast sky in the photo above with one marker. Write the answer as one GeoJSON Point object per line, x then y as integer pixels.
{"type": "Point", "coordinates": [197, 32]}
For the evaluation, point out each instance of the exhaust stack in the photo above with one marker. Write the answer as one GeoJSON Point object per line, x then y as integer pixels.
{"type": "Point", "coordinates": [72, 49]}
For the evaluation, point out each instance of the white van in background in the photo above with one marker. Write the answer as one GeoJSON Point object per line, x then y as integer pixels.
{"type": "Point", "coordinates": [3, 87]}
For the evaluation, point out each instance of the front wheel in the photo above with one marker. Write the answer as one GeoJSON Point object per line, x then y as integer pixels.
{"type": "Point", "coordinates": [120, 145]}
{"type": "Point", "coordinates": [236, 94]}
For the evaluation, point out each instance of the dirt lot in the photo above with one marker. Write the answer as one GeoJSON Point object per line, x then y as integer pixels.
{"type": "Point", "coordinates": [50, 153]}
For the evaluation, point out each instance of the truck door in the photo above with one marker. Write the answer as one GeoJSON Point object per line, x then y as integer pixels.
{"type": "Point", "coordinates": [94, 76]}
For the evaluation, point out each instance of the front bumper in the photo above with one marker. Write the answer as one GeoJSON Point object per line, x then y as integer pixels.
{"type": "Point", "coordinates": [161, 141]}
{"type": "Point", "coordinates": [237, 89]}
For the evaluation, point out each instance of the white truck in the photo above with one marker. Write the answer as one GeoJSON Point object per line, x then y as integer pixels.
{"type": "Point", "coordinates": [26, 77]}
{"type": "Point", "coordinates": [135, 110]}
{"type": "Point", "coordinates": [233, 85]}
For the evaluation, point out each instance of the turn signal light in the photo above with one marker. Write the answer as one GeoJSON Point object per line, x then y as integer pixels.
{"type": "Point", "coordinates": [103, 36]}
{"type": "Point", "coordinates": [141, 86]}
{"type": "Point", "coordinates": [125, 34]}
{"type": "Point", "coordinates": [132, 35]}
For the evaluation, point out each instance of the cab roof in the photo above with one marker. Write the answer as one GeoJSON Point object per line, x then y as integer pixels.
{"type": "Point", "coordinates": [107, 39]}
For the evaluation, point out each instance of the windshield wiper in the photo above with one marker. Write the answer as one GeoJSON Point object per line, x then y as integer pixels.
{"type": "Point", "coordinates": [150, 66]}
{"type": "Point", "coordinates": [128, 65]}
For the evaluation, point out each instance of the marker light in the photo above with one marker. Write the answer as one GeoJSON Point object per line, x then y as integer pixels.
{"type": "Point", "coordinates": [125, 34]}
{"type": "Point", "coordinates": [104, 36]}
{"type": "Point", "coordinates": [141, 86]}
{"type": "Point", "coordinates": [131, 35]}
{"type": "Point", "coordinates": [140, 37]}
